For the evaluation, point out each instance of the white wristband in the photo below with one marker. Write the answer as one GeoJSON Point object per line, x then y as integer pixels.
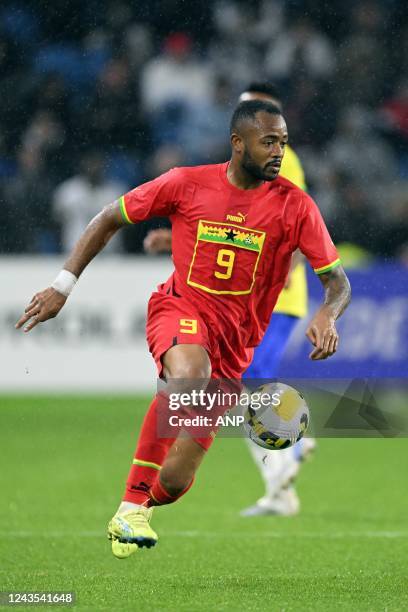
{"type": "Point", "coordinates": [65, 282]}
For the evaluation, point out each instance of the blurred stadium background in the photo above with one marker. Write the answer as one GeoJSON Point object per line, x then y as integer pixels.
{"type": "Point", "coordinates": [100, 96]}
{"type": "Point", "coordinates": [97, 97]}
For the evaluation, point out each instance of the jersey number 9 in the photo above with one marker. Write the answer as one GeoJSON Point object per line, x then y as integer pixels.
{"type": "Point", "coordinates": [225, 259]}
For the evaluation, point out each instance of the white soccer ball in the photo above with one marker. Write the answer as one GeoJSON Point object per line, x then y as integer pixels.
{"type": "Point", "coordinates": [277, 416]}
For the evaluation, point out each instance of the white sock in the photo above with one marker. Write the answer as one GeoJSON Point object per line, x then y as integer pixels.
{"type": "Point", "coordinates": [126, 506]}
{"type": "Point", "coordinates": [269, 464]}
{"type": "Point", "coordinates": [275, 467]}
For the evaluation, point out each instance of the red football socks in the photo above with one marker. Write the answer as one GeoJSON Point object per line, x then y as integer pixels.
{"type": "Point", "coordinates": [150, 454]}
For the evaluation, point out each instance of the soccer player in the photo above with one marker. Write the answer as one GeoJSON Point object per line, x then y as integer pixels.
{"type": "Point", "coordinates": [204, 321]}
{"type": "Point", "coordinates": [278, 470]}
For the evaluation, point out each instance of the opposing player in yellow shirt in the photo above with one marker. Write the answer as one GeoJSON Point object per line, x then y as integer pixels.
{"type": "Point", "coordinates": [278, 469]}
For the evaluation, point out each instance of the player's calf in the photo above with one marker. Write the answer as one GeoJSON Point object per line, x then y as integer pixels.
{"type": "Point", "coordinates": [178, 471]}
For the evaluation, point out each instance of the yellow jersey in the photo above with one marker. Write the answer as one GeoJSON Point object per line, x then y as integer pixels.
{"type": "Point", "coordinates": [293, 301]}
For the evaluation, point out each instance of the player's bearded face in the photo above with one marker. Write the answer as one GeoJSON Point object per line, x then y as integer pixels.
{"type": "Point", "coordinates": [261, 171]}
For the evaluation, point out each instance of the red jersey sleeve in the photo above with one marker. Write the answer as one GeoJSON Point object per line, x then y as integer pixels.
{"type": "Point", "coordinates": [157, 198]}
{"type": "Point", "coordinates": [314, 239]}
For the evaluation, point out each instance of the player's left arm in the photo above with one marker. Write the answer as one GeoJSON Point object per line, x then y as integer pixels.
{"type": "Point", "coordinates": [315, 243]}
{"type": "Point", "coordinates": [322, 331]}
{"type": "Point", "coordinates": [158, 241]}
{"type": "Point", "coordinates": [297, 258]}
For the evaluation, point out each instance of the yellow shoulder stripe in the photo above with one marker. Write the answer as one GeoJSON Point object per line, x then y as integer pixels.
{"type": "Point", "coordinates": [123, 210]}
{"type": "Point", "coordinates": [330, 266]}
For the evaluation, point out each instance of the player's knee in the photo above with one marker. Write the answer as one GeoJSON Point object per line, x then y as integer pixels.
{"type": "Point", "coordinates": [192, 371]}
{"type": "Point", "coordinates": [188, 381]}
{"type": "Point", "coordinates": [187, 362]}
{"type": "Point", "coordinates": [187, 378]}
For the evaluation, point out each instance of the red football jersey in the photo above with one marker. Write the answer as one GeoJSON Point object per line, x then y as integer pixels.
{"type": "Point", "coordinates": [232, 248]}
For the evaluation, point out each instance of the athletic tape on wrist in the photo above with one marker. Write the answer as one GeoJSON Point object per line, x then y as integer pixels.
{"type": "Point", "coordinates": [65, 282]}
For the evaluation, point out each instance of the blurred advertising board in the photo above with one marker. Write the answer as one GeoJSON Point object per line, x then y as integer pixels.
{"type": "Point", "coordinates": [373, 331]}
{"type": "Point", "coordinates": [98, 342]}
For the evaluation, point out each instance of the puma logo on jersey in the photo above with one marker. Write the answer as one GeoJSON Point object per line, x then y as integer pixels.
{"type": "Point", "coordinates": [238, 218]}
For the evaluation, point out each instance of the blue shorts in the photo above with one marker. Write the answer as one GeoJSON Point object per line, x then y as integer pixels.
{"type": "Point", "coordinates": [268, 354]}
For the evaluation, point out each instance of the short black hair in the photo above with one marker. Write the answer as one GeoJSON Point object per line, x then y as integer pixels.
{"type": "Point", "coordinates": [248, 110]}
{"type": "Point", "coordinates": [264, 87]}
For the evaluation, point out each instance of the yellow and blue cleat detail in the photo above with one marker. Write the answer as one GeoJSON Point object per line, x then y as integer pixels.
{"type": "Point", "coordinates": [130, 531]}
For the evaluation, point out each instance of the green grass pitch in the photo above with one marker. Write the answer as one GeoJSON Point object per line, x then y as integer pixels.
{"type": "Point", "coordinates": [64, 462]}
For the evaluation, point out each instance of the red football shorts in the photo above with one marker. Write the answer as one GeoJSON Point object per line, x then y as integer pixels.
{"type": "Point", "coordinates": [170, 321]}
{"type": "Point", "coordinates": [173, 320]}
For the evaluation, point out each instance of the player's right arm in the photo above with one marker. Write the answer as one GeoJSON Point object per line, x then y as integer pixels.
{"type": "Point", "coordinates": [156, 198]}
{"type": "Point", "coordinates": [46, 304]}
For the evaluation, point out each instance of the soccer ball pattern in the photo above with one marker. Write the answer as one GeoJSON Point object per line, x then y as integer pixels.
{"type": "Point", "coordinates": [280, 421]}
